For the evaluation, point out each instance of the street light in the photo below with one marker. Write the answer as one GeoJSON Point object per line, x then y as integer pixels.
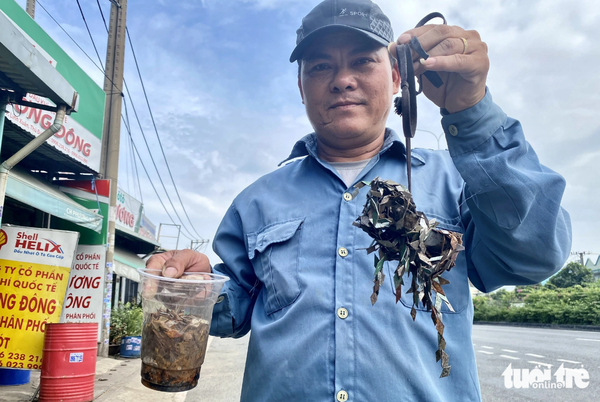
{"type": "Point", "coordinates": [437, 137]}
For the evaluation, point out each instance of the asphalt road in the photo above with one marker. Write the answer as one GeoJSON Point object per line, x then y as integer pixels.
{"type": "Point", "coordinates": [496, 347]}
{"type": "Point", "coordinates": [525, 348]}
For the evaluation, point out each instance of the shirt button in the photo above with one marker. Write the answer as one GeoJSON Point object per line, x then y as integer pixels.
{"type": "Point", "coordinates": [220, 299]}
{"type": "Point", "coordinates": [342, 313]}
{"type": "Point", "coordinates": [342, 396]}
{"type": "Point", "coordinates": [343, 251]}
{"type": "Point", "coordinates": [453, 130]}
{"type": "Point", "coordinates": [347, 196]}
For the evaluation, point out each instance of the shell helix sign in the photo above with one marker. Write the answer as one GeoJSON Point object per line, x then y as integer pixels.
{"type": "Point", "coordinates": [34, 272]}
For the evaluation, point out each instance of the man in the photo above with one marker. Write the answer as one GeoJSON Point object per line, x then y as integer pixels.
{"type": "Point", "coordinates": [300, 277]}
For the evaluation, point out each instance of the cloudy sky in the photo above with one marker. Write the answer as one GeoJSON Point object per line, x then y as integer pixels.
{"type": "Point", "coordinates": [227, 107]}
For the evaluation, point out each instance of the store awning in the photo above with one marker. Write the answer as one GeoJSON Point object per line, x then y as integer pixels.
{"type": "Point", "coordinates": [126, 264]}
{"type": "Point", "coordinates": [27, 189]}
{"type": "Point", "coordinates": [24, 69]}
{"type": "Point", "coordinates": [135, 242]}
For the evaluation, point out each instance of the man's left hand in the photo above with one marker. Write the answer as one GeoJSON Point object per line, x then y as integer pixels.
{"type": "Point", "coordinates": [464, 72]}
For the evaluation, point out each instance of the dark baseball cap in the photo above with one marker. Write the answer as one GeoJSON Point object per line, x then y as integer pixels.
{"type": "Point", "coordinates": [362, 16]}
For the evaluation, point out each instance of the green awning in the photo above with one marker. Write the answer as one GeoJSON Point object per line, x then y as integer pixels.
{"type": "Point", "coordinates": [29, 190]}
{"type": "Point", "coordinates": [126, 264]}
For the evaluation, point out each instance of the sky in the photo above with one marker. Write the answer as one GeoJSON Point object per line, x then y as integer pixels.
{"type": "Point", "coordinates": [227, 108]}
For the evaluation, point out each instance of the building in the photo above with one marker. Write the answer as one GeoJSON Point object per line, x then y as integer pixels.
{"type": "Point", "coordinates": [594, 266]}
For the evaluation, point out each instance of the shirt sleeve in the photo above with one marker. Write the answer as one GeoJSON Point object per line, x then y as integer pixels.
{"type": "Point", "coordinates": [516, 232]}
{"type": "Point", "coordinates": [232, 312]}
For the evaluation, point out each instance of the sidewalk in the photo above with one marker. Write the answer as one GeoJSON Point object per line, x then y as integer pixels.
{"type": "Point", "coordinates": [118, 379]}
{"type": "Point", "coordinates": [109, 373]}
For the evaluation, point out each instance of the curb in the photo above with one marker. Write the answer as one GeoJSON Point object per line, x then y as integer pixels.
{"type": "Point", "coordinates": [540, 325]}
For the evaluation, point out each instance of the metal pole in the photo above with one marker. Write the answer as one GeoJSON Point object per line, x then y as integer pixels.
{"type": "Point", "coordinates": [26, 150]}
{"type": "Point", "coordinates": [437, 137]}
{"type": "Point", "coordinates": [30, 8]}
{"type": "Point", "coordinates": [3, 104]}
{"type": "Point", "coordinates": [111, 138]}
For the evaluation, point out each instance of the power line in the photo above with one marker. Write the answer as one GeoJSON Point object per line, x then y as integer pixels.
{"type": "Point", "coordinates": [90, 34]}
{"type": "Point", "coordinates": [102, 14]}
{"type": "Point", "coordinates": [128, 126]}
{"type": "Point", "coordinates": [156, 131]}
{"type": "Point", "coordinates": [152, 159]}
{"type": "Point", "coordinates": [122, 94]}
{"type": "Point", "coordinates": [80, 48]}
{"type": "Point", "coordinates": [148, 175]}
{"type": "Point", "coordinates": [144, 136]}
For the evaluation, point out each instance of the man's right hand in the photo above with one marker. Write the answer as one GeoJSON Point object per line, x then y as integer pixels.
{"type": "Point", "coordinates": [174, 263]}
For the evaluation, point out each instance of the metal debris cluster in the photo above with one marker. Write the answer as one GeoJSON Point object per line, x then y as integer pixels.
{"type": "Point", "coordinates": [401, 233]}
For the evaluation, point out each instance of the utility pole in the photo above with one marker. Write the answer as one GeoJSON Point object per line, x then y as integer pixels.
{"type": "Point", "coordinates": [111, 138]}
{"type": "Point", "coordinates": [30, 8]}
{"type": "Point", "coordinates": [581, 254]}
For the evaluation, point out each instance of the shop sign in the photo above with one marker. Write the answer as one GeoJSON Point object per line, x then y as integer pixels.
{"type": "Point", "coordinates": [34, 272]}
{"type": "Point", "coordinates": [72, 139]}
{"type": "Point", "coordinates": [128, 211]}
{"type": "Point", "coordinates": [85, 291]}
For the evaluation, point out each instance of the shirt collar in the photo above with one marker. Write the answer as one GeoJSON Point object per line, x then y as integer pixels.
{"type": "Point", "coordinates": [307, 145]}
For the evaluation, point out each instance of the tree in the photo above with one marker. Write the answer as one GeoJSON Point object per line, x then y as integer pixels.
{"type": "Point", "coordinates": [571, 275]}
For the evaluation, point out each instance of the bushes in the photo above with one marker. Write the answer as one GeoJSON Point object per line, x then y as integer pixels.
{"type": "Point", "coordinates": [575, 305]}
{"type": "Point", "coordinates": [125, 320]}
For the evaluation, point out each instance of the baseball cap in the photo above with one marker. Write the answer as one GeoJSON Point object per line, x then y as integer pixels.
{"type": "Point", "coordinates": [362, 16]}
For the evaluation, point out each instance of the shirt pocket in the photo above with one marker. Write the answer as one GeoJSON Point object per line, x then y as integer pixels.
{"type": "Point", "coordinates": [274, 252]}
{"type": "Point", "coordinates": [457, 291]}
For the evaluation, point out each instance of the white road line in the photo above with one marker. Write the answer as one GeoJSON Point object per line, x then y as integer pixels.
{"type": "Point", "coordinates": [532, 355]}
{"type": "Point", "coordinates": [509, 351]}
{"type": "Point", "coordinates": [567, 361]}
{"type": "Point", "coordinates": [587, 339]}
{"type": "Point", "coordinates": [487, 347]}
{"type": "Point", "coordinates": [486, 352]}
{"type": "Point", "coordinates": [510, 357]}
{"type": "Point", "coordinates": [540, 364]}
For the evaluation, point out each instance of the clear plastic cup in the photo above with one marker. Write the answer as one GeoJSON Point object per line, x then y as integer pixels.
{"type": "Point", "coordinates": [177, 316]}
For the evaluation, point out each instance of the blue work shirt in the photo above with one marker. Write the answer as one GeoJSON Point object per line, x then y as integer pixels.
{"type": "Point", "coordinates": [301, 279]}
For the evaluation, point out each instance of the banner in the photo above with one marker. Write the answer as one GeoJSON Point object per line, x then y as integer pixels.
{"type": "Point", "coordinates": [72, 139]}
{"type": "Point", "coordinates": [34, 272]}
{"type": "Point", "coordinates": [86, 287]}
{"type": "Point", "coordinates": [128, 211]}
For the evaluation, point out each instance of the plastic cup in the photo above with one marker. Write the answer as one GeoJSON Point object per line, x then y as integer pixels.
{"type": "Point", "coordinates": [177, 316]}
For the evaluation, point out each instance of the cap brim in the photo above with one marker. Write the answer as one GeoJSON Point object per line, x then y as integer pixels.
{"type": "Point", "coordinates": [308, 40]}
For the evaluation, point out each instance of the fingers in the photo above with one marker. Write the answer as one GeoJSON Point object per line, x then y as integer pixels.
{"type": "Point", "coordinates": [447, 50]}
{"type": "Point", "coordinates": [174, 263]}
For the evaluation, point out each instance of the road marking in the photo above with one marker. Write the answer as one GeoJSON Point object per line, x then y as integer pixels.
{"type": "Point", "coordinates": [587, 339]}
{"type": "Point", "coordinates": [532, 355]}
{"type": "Point", "coordinates": [540, 364]}
{"type": "Point", "coordinates": [567, 361]}
{"type": "Point", "coordinates": [509, 351]}
{"type": "Point", "coordinates": [486, 352]}
{"type": "Point", "coordinates": [487, 347]}
{"type": "Point", "coordinates": [510, 357]}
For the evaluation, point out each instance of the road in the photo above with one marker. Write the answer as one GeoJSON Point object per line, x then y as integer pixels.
{"type": "Point", "coordinates": [525, 348]}
{"type": "Point", "coordinates": [496, 347]}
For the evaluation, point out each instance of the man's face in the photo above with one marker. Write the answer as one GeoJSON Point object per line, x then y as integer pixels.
{"type": "Point", "coordinates": [347, 83]}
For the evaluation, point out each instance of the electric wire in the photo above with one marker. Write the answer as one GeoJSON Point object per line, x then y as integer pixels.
{"type": "Point", "coordinates": [80, 48]}
{"type": "Point", "coordinates": [122, 94]}
{"type": "Point", "coordinates": [156, 131]}
{"type": "Point", "coordinates": [128, 125]}
{"type": "Point", "coordinates": [148, 176]}
{"type": "Point", "coordinates": [144, 136]}
{"type": "Point", "coordinates": [153, 161]}
{"type": "Point", "coordinates": [90, 34]}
